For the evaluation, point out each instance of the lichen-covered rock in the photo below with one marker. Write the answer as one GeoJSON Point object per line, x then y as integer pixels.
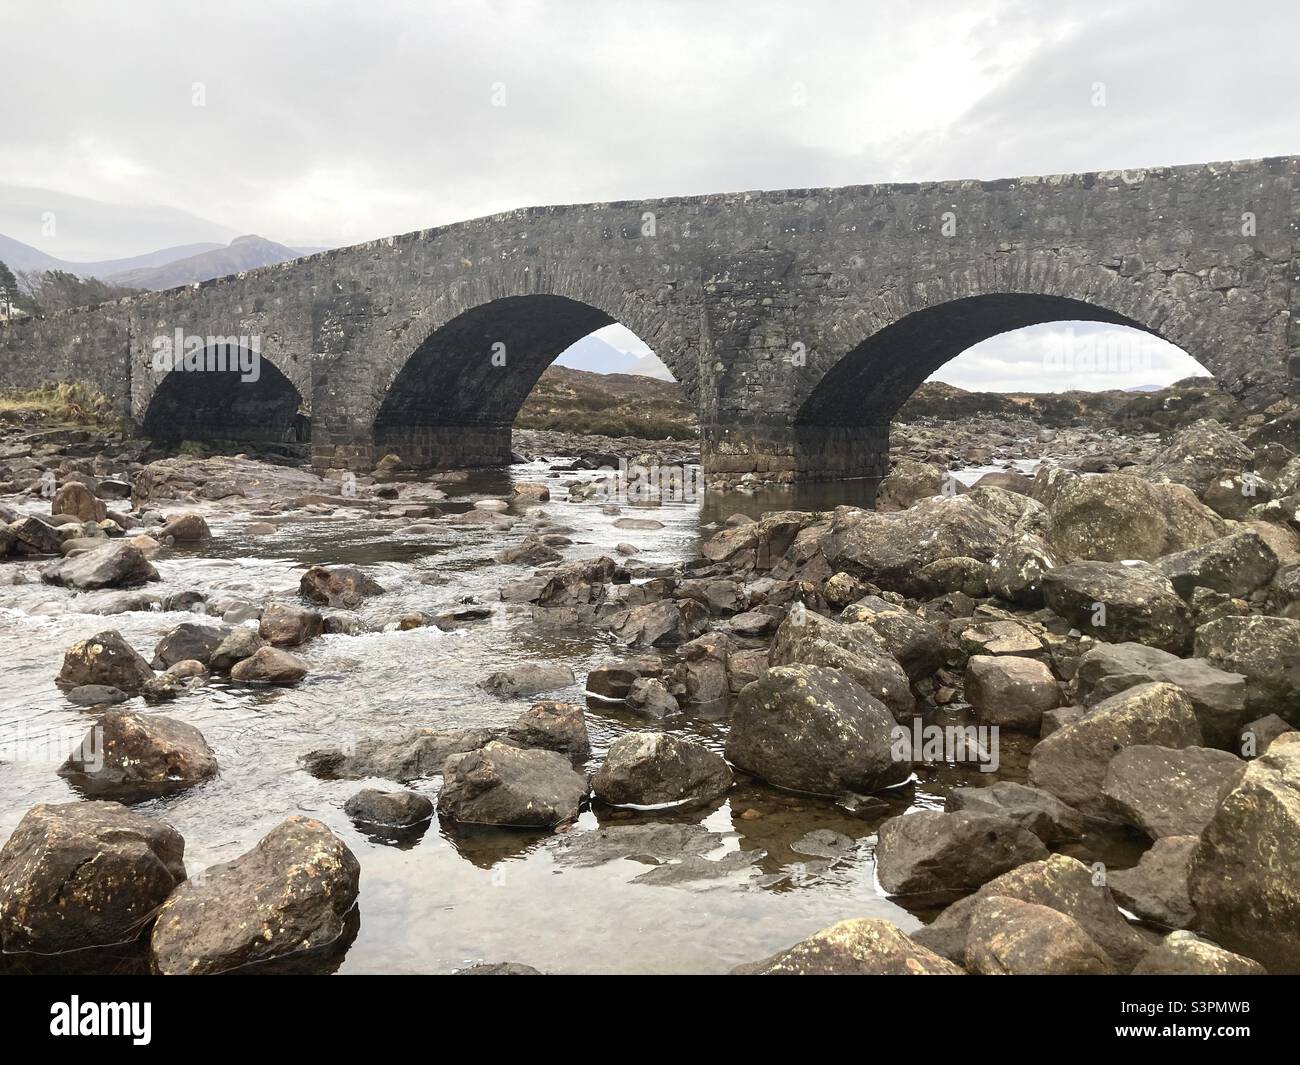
{"type": "Point", "coordinates": [510, 786]}
{"type": "Point", "coordinates": [1186, 954]}
{"type": "Point", "coordinates": [419, 754]}
{"type": "Point", "coordinates": [659, 769]}
{"type": "Point", "coordinates": [1010, 692]}
{"type": "Point", "coordinates": [1118, 602]}
{"type": "Point", "coordinates": [862, 947]}
{"type": "Point", "coordinates": [919, 645]}
{"type": "Point", "coordinates": [1263, 649]}
{"type": "Point", "coordinates": [1016, 571]}
{"type": "Point", "coordinates": [934, 852]}
{"type": "Point", "coordinates": [285, 625]}
{"type": "Point", "coordinates": [341, 586]}
{"type": "Point", "coordinates": [1244, 877]}
{"type": "Point", "coordinates": [1238, 564]}
{"type": "Point", "coordinates": [1156, 888]}
{"type": "Point", "coordinates": [84, 874]}
{"type": "Point", "coordinates": [814, 729]}
{"type": "Point", "coordinates": [1072, 762]}
{"type": "Point", "coordinates": [292, 893]}
{"type": "Point", "coordinates": [1012, 937]}
{"type": "Point", "coordinates": [1197, 454]}
{"type": "Point", "coordinates": [553, 726]}
{"type": "Point", "coordinates": [134, 756]}
{"type": "Point", "coordinates": [1166, 792]}
{"type": "Point", "coordinates": [114, 564]}
{"type": "Point", "coordinates": [908, 482]}
{"type": "Point", "coordinates": [107, 659]}
{"type": "Point", "coordinates": [269, 665]}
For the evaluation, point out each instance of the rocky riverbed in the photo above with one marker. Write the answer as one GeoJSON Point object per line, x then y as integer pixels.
{"type": "Point", "coordinates": [1033, 714]}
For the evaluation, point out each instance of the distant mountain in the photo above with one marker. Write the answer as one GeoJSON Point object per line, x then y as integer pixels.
{"type": "Point", "coordinates": [1144, 388]}
{"type": "Point", "coordinates": [596, 355]}
{"type": "Point", "coordinates": [243, 253]}
{"type": "Point", "coordinates": [19, 256]}
{"type": "Point", "coordinates": [608, 404]}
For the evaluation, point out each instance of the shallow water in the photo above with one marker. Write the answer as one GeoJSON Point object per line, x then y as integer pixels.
{"type": "Point", "coordinates": [446, 899]}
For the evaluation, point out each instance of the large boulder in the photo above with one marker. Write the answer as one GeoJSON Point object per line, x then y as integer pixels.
{"type": "Point", "coordinates": [189, 642]}
{"type": "Point", "coordinates": [1072, 762]}
{"type": "Point", "coordinates": [510, 786]}
{"type": "Point", "coordinates": [862, 947]}
{"type": "Point", "coordinates": [1156, 888]}
{"type": "Point", "coordinates": [1244, 877]}
{"type": "Point", "coordinates": [134, 756]}
{"type": "Point", "coordinates": [419, 754]}
{"type": "Point", "coordinates": [1186, 954]}
{"type": "Point", "coordinates": [1196, 455]}
{"type": "Point", "coordinates": [659, 769]}
{"type": "Point", "coordinates": [116, 564]}
{"type": "Point", "coordinates": [79, 501]}
{"type": "Point", "coordinates": [553, 726]}
{"type": "Point", "coordinates": [84, 874]}
{"type": "Point", "coordinates": [1060, 882]}
{"type": "Point", "coordinates": [1039, 811]}
{"type": "Point", "coordinates": [663, 624]}
{"type": "Point", "coordinates": [814, 729]}
{"type": "Point", "coordinates": [1016, 571]}
{"type": "Point", "coordinates": [920, 646]}
{"type": "Point", "coordinates": [1167, 792]}
{"type": "Point", "coordinates": [806, 638]}
{"type": "Point", "coordinates": [106, 659]}
{"type": "Point", "coordinates": [1010, 692]}
{"type": "Point", "coordinates": [1118, 602]}
{"type": "Point", "coordinates": [270, 666]}
{"type": "Point", "coordinates": [1012, 937]}
{"type": "Point", "coordinates": [286, 625]}
{"type": "Point", "coordinates": [1238, 565]}
{"type": "Point", "coordinates": [339, 586]}
{"type": "Point", "coordinates": [528, 678]}
{"type": "Point", "coordinates": [908, 482]}
{"type": "Point", "coordinates": [930, 851]}
{"type": "Point", "coordinates": [293, 893]}
{"type": "Point", "coordinates": [1263, 649]}
{"type": "Point", "coordinates": [891, 549]}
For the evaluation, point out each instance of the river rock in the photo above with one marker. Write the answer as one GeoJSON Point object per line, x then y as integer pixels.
{"type": "Point", "coordinates": [84, 874]}
{"type": "Point", "coordinates": [1016, 571]}
{"type": "Point", "coordinates": [238, 644]}
{"type": "Point", "coordinates": [1244, 877]}
{"type": "Point", "coordinates": [553, 726]}
{"type": "Point", "coordinates": [658, 769]}
{"type": "Point", "coordinates": [1071, 763]}
{"type": "Point", "coordinates": [269, 665]}
{"type": "Point", "coordinates": [1238, 565]}
{"type": "Point", "coordinates": [1167, 792]}
{"type": "Point", "coordinates": [419, 754]}
{"type": "Point", "coordinates": [285, 625]}
{"type": "Point", "coordinates": [1139, 604]}
{"type": "Point", "coordinates": [576, 583]}
{"type": "Point", "coordinates": [35, 536]}
{"type": "Point", "coordinates": [293, 892]}
{"type": "Point", "coordinates": [185, 528]}
{"type": "Point", "coordinates": [79, 501]}
{"type": "Point", "coordinates": [1010, 692]}
{"type": "Point", "coordinates": [1033, 809]}
{"type": "Point", "coordinates": [337, 586]}
{"type": "Point", "coordinates": [614, 680]}
{"type": "Point", "coordinates": [1197, 454]}
{"type": "Point", "coordinates": [1257, 735]}
{"type": "Point", "coordinates": [651, 696]}
{"type": "Point", "coordinates": [1060, 882]}
{"type": "Point", "coordinates": [1263, 649]}
{"type": "Point", "coordinates": [1156, 888]}
{"type": "Point", "coordinates": [663, 624]}
{"type": "Point", "coordinates": [930, 851]}
{"type": "Point", "coordinates": [131, 756]}
{"type": "Point", "coordinates": [1187, 954]}
{"type": "Point", "coordinates": [189, 641]}
{"type": "Point", "coordinates": [861, 947]}
{"type": "Point", "coordinates": [1012, 937]}
{"type": "Point", "coordinates": [510, 786]}
{"type": "Point", "coordinates": [528, 678]}
{"type": "Point", "coordinates": [919, 646]}
{"type": "Point", "coordinates": [814, 729]}
{"type": "Point", "coordinates": [390, 809]}
{"type": "Point", "coordinates": [909, 482]}
{"type": "Point", "coordinates": [806, 638]}
{"type": "Point", "coordinates": [116, 564]}
{"type": "Point", "coordinates": [107, 659]}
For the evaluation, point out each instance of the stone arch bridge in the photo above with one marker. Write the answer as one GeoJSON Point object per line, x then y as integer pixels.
{"type": "Point", "coordinates": [798, 322]}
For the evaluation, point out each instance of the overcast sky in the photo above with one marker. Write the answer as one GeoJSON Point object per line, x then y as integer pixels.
{"type": "Point", "coordinates": [329, 123]}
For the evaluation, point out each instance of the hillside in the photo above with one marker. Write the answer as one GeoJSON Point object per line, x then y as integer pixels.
{"type": "Point", "coordinates": [243, 253]}
{"type": "Point", "coordinates": [614, 404]}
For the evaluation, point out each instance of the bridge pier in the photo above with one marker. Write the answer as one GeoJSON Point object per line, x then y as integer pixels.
{"type": "Point", "coordinates": [420, 447]}
{"type": "Point", "coordinates": [787, 453]}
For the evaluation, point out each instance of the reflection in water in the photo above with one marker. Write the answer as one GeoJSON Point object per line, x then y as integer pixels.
{"type": "Point", "coordinates": [439, 897]}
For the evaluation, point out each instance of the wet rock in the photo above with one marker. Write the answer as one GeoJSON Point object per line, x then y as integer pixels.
{"type": "Point", "coordinates": [1187, 954]}
{"type": "Point", "coordinates": [411, 757]}
{"type": "Point", "coordinates": [667, 841]}
{"type": "Point", "coordinates": [96, 695]}
{"type": "Point", "coordinates": [510, 786]}
{"type": "Point", "coordinates": [1033, 809]}
{"type": "Point", "coordinates": [503, 968]}
{"type": "Point", "coordinates": [1010, 692]}
{"type": "Point", "coordinates": [285, 625]}
{"type": "Point", "coordinates": [651, 696]}
{"type": "Point", "coordinates": [1012, 937]}
{"type": "Point", "coordinates": [614, 679]}
{"type": "Point", "coordinates": [930, 851]}
{"type": "Point", "coordinates": [1156, 888]}
{"type": "Point", "coordinates": [35, 537]}
{"type": "Point", "coordinates": [694, 869]}
{"type": "Point", "coordinates": [133, 756]}
{"type": "Point", "coordinates": [662, 624]}
{"type": "Point", "coordinates": [1016, 571]}
{"type": "Point", "coordinates": [1072, 762]}
{"type": "Point", "coordinates": [1062, 883]}
{"type": "Point", "coordinates": [814, 729]}
{"type": "Point", "coordinates": [553, 726]}
{"type": "Point", "coordinates": [576, 583]}
{"type": "Point", "coordinates": [529, 492]}
{"type": "Point", "coordinates": [862, 947]}
{"type": "Point", "coordinates": [117, 564]}
{"type": "Point", "coordinates": [338, 586]}
{"type": "Point", "coordinates": [918, 645]}
{"type": "Point", "coordinates": [806, 638]}
{"type": "Point", "coordinates": [1238, 564]}
{"type": "Point", "coordinates": [824, 843]}
{"type": "Point", "coordinates": [238, 644]}
{"type": "Point", "coordinates": [391, 809]}
{"type": "Point", "coordinates": [107, 659]}
{"type": "Point", "coordinates": [185, 528]}
{"type": "Point", "coordinates": [1263, 649]}
{"type": "Point", "coordinates": [528, 678]}
{"type": "Point", "coordinates": [743, 667]}
{"type": "Point", "coordinates": [1118, 603]}
{"type": "Point", "coordinates": [1166, 792]}
{"type": "Point", "coordinates": [658, 769]}
{"type": "Point", "coordinates": [1244, 877]}
{"type": "Point", "coordinates": [269, 665]}
{"type": "Point", "coordinates": [531, 551]}
{"type": "Point", "coordinates": [84, 874]}
{"type": "Point", "coordinates": [292, 893]}
{"type": "Point", "coordinates": [189, 641]}
{"type": "Point", "coordinates": [79, 501]}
